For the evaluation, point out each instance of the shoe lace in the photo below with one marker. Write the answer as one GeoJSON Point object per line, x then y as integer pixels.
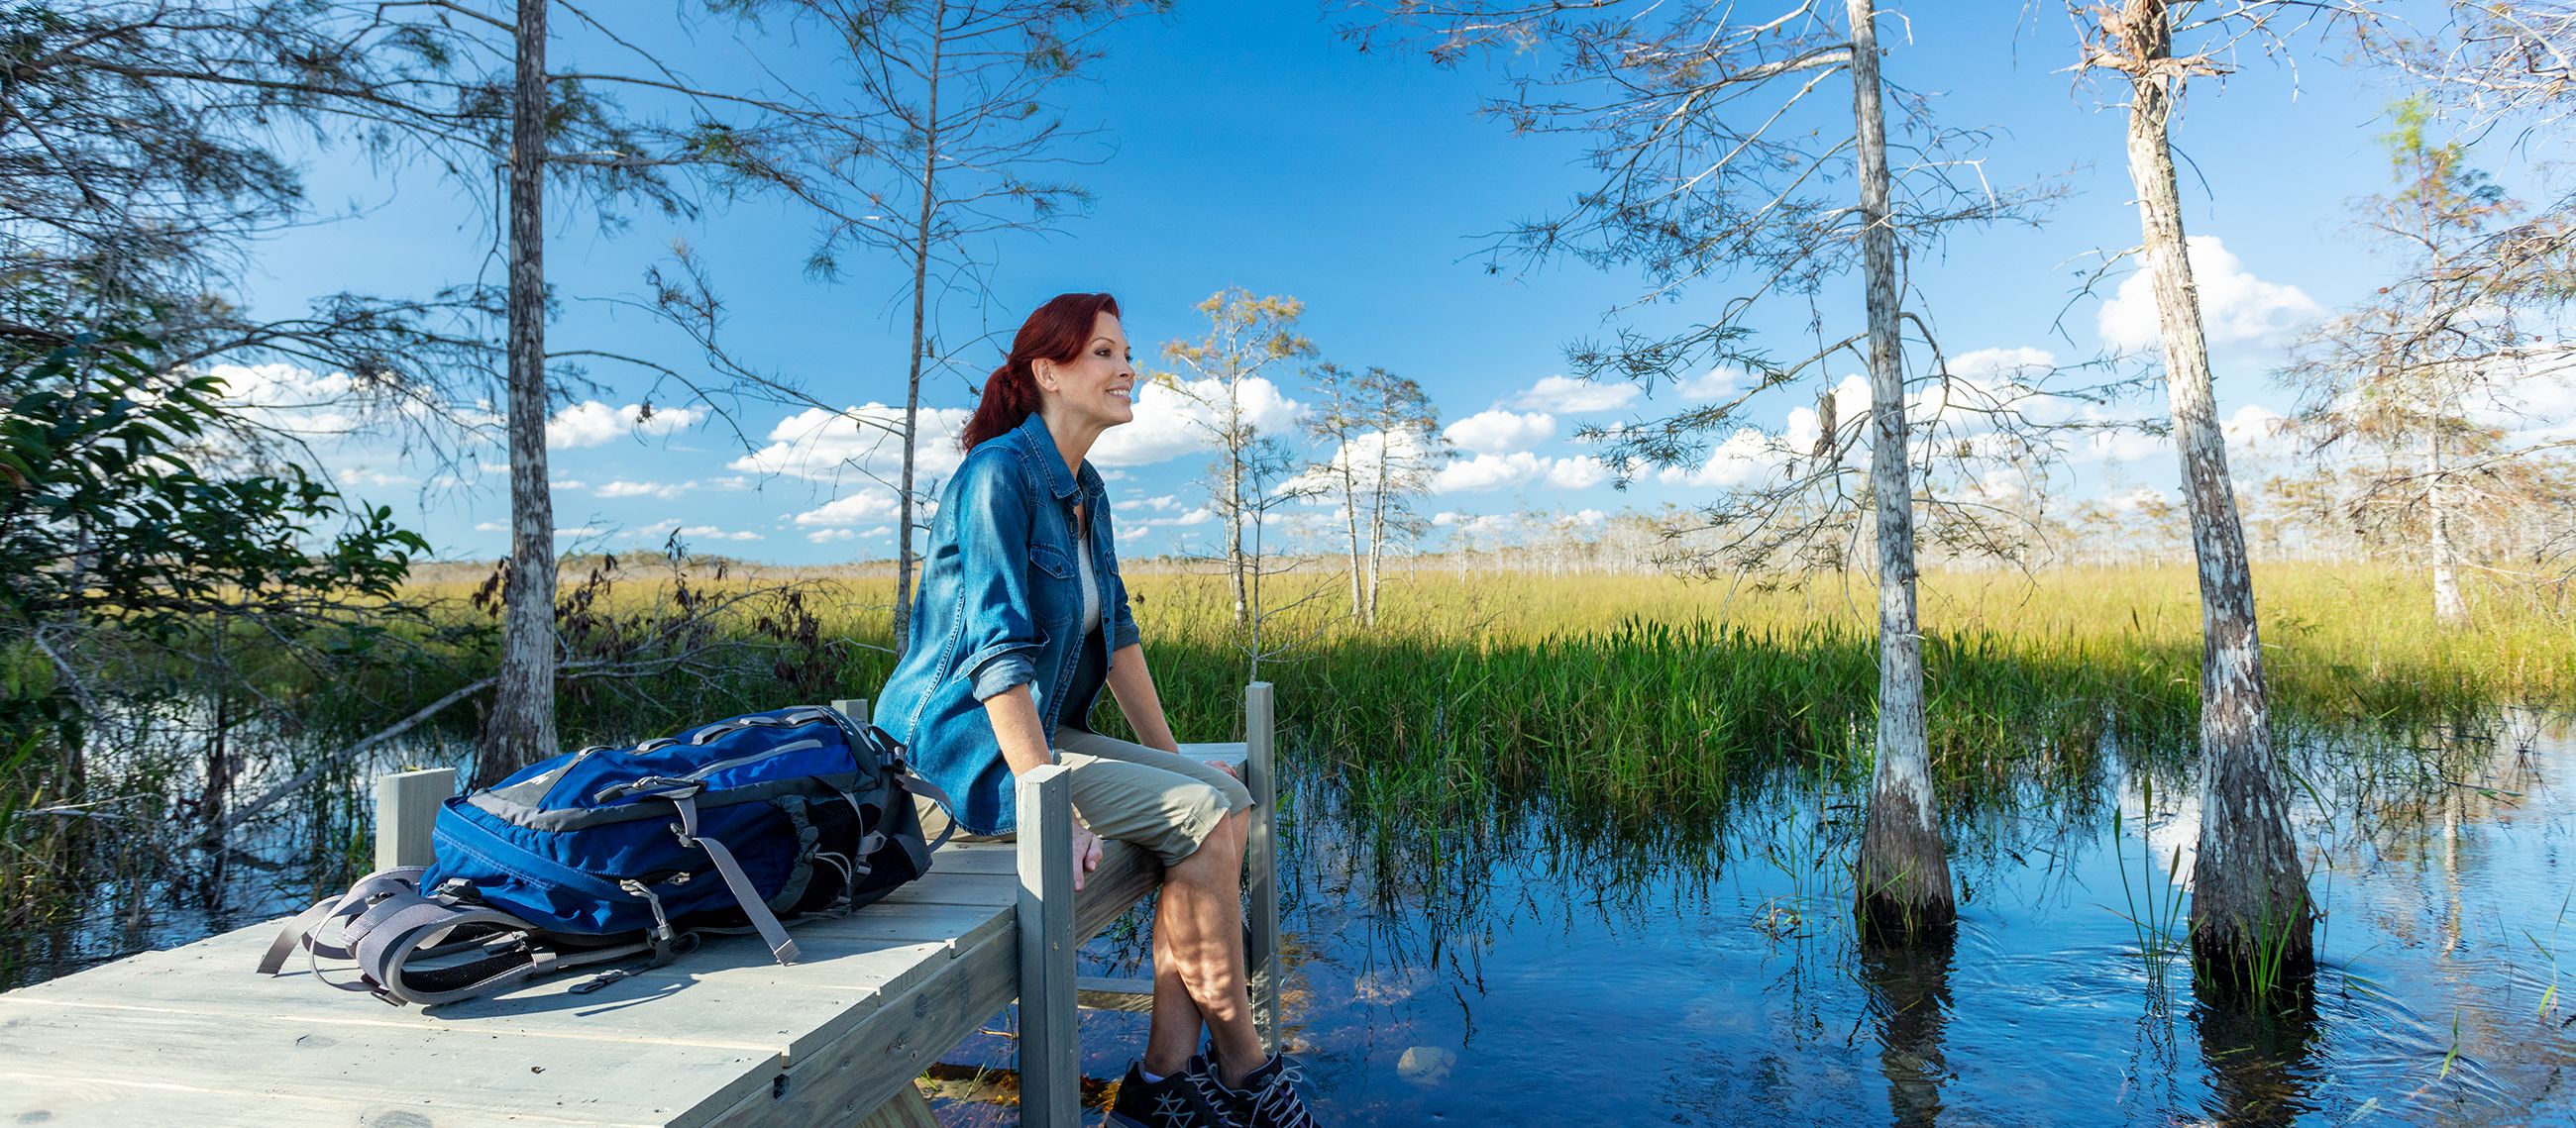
{"type": "Point", "coordinates": [1176, 1110]}
{"type": "Point", "coordinates": [1171, 1109]}
{"type": "Point", "coordinates": [1278, 1104]}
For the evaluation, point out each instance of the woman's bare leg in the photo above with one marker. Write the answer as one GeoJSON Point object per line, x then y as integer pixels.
{"type": "Point", "coordinates": [1198, 942]}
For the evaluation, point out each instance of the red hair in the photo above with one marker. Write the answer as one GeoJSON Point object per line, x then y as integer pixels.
{"type": "Point", "coordinates": [1056, 331]}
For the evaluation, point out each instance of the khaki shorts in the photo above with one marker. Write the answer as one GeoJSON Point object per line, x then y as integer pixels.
{"type": "Point", "coordinates": [1165, 803]}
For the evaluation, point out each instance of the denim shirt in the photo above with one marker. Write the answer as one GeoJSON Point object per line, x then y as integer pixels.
{"type": "Point", "coordinates": [1000, 605]}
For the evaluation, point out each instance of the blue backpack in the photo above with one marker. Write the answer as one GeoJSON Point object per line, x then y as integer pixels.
{"type": "Point", "coordinates": [610, 853]}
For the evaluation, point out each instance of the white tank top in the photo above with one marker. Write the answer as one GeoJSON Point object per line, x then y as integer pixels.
{"type": "Point", "coordinates": [1090, 587]}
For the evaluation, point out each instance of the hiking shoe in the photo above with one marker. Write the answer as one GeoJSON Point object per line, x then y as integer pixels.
{"type": "Point", "coordinates": [1269, 1097]}
{"type": "Point", "coordinates": [1188, 1099]}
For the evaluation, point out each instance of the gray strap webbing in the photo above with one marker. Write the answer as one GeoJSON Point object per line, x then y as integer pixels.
{"type": "Point", "coordinates": [744, 893]}
{"type": "Point", "coordinates": [297, 933]}
{"type": "Point", "coordinates": [937, 795]}
{"type": "Point", "coordinates": [416, 930]}
{"type": "Point", "coordinates": [305, 929]}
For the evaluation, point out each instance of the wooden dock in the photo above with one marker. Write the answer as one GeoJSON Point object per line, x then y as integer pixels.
{"type": "Point", "coordinates": [723, 1036]}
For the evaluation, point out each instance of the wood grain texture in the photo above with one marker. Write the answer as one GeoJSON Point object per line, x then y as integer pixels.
{"type": "Point", "coordinates": [432, 1072]}
{"type": "Point", "coordinates": [1261, 859]}
{"type": "Point", "coordinates": [1101, 992]}
{"type": "Point", "coordinates": [406, 808]}
{"type": "Point", "coordinates": [1050, 1039]}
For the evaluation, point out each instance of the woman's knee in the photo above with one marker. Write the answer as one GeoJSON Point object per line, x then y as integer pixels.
{"type": "Point", "coordinates": [1238, 798]}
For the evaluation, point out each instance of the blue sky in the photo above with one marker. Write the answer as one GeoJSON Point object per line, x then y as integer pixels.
{"type": "Point", "coordinates": [1245, 144]}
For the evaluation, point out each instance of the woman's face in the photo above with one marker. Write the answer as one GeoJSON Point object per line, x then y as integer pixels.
{"type": "Point", "coordinates": [1097, 386]}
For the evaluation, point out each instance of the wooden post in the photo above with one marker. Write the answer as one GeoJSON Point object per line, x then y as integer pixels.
{"type": "Point", "coordinates": [1050, 1049]}
{"type": "Point", "coordinates": [406, 806]}
{"type": "Point", "coordinates": [855, 708]}
{"type": "Point", "coordinates": [1261, 855]}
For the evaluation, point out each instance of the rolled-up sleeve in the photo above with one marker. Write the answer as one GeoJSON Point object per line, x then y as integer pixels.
{"type": "Point", "coordinates": [991, 508]}
{"type": "Point", "coordinates": [1122, 624]}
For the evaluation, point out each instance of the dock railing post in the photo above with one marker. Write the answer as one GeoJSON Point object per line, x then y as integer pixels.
{"type": "Point", "coordinates": [1261, 856]}
{"type": "Point", "coordinates": [1050, 1049]}
{"type": "Point", "coordinates": [406, 807]}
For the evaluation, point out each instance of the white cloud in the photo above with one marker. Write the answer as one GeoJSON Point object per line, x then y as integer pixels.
{"type": "Point", "coordinates": [591, 423]}
{"type": "Point", "coordinates": [1477, 524]}
{"type": "Point", "coordinates": [1199, 516]}
{"type": "Point", "coordinates": [853, 509]}
{"type": "Point", "coordinates": [2257, 428]}
{"type": "Point", "coordinates": [1743, 459]}
{"type": "Point", "coordinates": [345, 435]}
{"type": "Point", "coordinates": [2141, 496]}
{"type": "Point", "coordinates": [826, 536]}
{"type": "Point", "coordinates": [490, 527]}
{"type": "Point", "coordinates": [1502, 432]}
{"type": "Point", "coordinates": [861, 443]}
{"type": "Point", "coordinates": [2235, 306]}
{"type": "Point", "coordinates": [1519, 468]}
{"type": "Point", "coordinates": [295, 400]}
{"type": "Point", "coordinates": [1804, 427]}
{"type": "Point", "coordinates": [1174, 420]}
{"type": "Point", "coordinates": [715, 532]}
{"type": "Point", "coordinates": [2532, 408]}
{"type": "Point", "coordinates": [2125, 446]}
{"type": "Point", "coordinates": [1581, 472]}
{"type": "Point", "coordinates": [1403, 451]}
{"type": "Point", "coordinates": [1565, 393]}
{"type": "Point", "coordinates": [2022, 364]}
{"type": "Point", "coordinates": [1488, 471]}
{"type": "Point", "coordinates": [1716, 383]}
{"type": "Point", "coordinates": [2252, 430]}
{"type": "Point", "coordinates": [663, 490]}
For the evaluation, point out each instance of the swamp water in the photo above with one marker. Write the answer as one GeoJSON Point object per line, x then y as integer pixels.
{"type": "Point", "coordinates": [1542, 966]}
{"type": "Point", "coordinates": [1549, 975]}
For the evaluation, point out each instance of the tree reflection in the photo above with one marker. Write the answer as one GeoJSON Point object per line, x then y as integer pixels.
{"type": "Point", "coordinates": [1909, 997]}
{"type": "Point", "coordinates": [2259, 1072]}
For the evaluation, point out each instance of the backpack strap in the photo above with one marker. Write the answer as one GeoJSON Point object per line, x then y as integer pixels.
{"type": "Point", "coordinates": [745, 894]}
{"type": "Point", "coordinates": [305, 929]}
{"type": "Point", "coordinates": [915, 785]}
{"type": "Point", "coordinates": [421, 929]}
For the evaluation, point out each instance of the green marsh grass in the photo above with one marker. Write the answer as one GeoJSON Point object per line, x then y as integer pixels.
{"type": "Point", "coordinates": [1579, 709]}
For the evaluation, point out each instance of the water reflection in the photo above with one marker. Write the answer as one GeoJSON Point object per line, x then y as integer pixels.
{"type": "Point", "coordinates": [2258, 1061]}
{"type": "Point", "coordinates": [1680, 975]}
{"type": "Point", "coordinates": [1528, 959]}
{"type": "Point", "coordinates": [1909, 998]}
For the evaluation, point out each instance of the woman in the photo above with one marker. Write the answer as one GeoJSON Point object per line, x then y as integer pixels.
{"type": "Point", "coordinates": [1021, 618]}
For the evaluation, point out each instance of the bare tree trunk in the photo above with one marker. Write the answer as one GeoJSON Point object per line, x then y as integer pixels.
{"type": "Point", "coordinates": [2448, 608]}
{"type": "Point", "coordinates": [1904, 867]}
{"type": "Point", "coordinates": [1351, 522]}
{"type": "Point", "coordinates": [1237, 445]}
{"type": "Point", "coordinates": [903, 558]}
{"type": "Point", "coordinates": [2250, 916]}
{"type": "Point", "coordinates": [521, 729]}
{"type": "Point", "coordinates": [1377, 538]}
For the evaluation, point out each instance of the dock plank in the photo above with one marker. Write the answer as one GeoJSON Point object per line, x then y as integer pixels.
{"type": "Point", "coordinates": [723, 1034]}
{"type": "Point", "coordinates": [428, 1071]}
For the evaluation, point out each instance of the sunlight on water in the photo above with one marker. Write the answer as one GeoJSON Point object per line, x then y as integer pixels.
{"type": "Point", "coordinates": [1520, 983]}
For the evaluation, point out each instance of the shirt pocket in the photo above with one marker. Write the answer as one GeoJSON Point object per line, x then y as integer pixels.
{"type": "Point", "coordinates": [1050, 561]}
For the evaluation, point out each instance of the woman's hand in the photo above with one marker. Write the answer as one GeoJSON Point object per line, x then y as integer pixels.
{"type": "Point", "coordinates": [1086, 854]}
